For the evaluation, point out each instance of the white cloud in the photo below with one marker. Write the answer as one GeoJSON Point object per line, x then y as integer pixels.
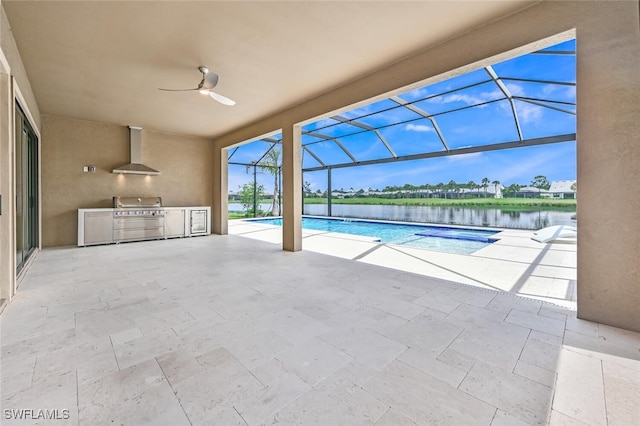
{"type": "Point", "coordinates": [379, 177]}
{"type": "Point", "coordinates": [522, 170]}
{"type": "Point", "coordinates": [419, 93]}
{"type": "Point", "coordinates": [529, 113]}
{"type": "Point", "coordinates": [473, 157]}
{"type": "Point", "coordinates": [570, 93]}
{"type": "Point", "coordinates": [468, 99]}
{"type": "Point", "coordinates": [515, 89]}
{"type": "Point", "coordinates": [418, 128]}
{"type": "Point", "coordinates": [549, 89]}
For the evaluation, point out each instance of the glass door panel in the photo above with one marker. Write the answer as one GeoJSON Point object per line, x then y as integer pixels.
{"type": "Point", "coordinates": [26, 150]}
{"type": "Point", "coordinates": [19, 192]}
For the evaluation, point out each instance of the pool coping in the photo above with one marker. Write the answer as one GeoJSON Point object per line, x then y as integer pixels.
{"type": "Point", "coordinates": [424, 233]}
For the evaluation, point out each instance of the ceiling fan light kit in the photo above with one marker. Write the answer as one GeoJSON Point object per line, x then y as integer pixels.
{"type": "Point", "coordinates": [208, 82]}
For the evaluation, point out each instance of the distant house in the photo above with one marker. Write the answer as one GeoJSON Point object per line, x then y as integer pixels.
{"type": "Point", "coordinates": [491, 191]}
{"type": "Point", "coordinates": [531, 192]}
{"type": "Point", "coordinates": [562, 189]}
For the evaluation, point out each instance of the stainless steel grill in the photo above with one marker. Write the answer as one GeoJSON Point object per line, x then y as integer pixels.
{"type": "Point", "coordinates": [139, 202]}
{"type": "Point", "coordinates": [137, 218]}
{"type": "Point", "coordinates": [140, 218]}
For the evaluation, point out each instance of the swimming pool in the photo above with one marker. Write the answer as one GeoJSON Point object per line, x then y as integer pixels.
{"type": "Point", "coordinates": [440, 238]}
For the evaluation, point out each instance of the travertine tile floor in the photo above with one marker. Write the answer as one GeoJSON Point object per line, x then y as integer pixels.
{"type": "Point", "coordinates": [515, 263]}
{"type": "Point", "coordinates": [226, 330]}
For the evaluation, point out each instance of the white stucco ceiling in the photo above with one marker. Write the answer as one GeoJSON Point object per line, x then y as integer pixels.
{"type": "Point", "coordinates": [104, 61]}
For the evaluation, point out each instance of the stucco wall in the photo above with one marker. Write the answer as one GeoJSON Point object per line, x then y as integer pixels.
{"type": "Point", "coordinates": [10, 51]}
{"type": "Point", "coordinates": [13, 83]}
{"type": "Point", "coordinates": [185, 164]}
{"type": "Point", "coordinates": [609, 164]}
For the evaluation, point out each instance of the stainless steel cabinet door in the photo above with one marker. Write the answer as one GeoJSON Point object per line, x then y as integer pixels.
{"type": "Point", "coordinates": [98, 228]}
{"type": "Point", "coordinates": [174, 223]}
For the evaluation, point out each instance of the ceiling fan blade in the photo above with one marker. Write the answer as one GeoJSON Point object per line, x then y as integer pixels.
{"type": "Point", "coordinates": [222, 99]}
{"type": "Point", "coordinates": [210, 80]}
{"type": "Point", "coordinates": [177, 90]}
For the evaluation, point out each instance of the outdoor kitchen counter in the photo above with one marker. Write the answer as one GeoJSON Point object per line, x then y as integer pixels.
{"type": "Point", "coordinates": [103, 226]}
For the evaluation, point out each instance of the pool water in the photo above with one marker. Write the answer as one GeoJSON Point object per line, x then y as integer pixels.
{"type": "Point", "coordinates": [440, 238]}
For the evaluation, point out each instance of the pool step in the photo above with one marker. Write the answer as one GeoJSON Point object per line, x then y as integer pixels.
{"type": "Point", "coordinates": [456, 234]}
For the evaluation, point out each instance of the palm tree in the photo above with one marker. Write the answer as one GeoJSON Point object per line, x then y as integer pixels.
{"type": "Point", "coordinates": [512, 189]}
{"type": "Point", "coordinates": [452, 185]}
{"type": "Point", "coordinates": [541, 183]}
{"type": "Point", "coordinates": [306, 187]}
{"type": "Point", "coordinates": [427, 187]}
{"type": "Point", "coordinates": [270, 163]}
{"type": "Point", "coordinates": [485, 183]}
{"type": "Point", "coordinates": [471, 185]}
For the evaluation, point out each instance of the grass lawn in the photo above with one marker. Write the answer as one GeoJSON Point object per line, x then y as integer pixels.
{"type": "Point", "coordinates": [510, 204]}
{"type": "Point", "coordinates": [237, 216]}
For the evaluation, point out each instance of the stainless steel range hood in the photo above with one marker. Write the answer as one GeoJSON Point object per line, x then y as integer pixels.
{"type": "Point", "coordinates": [135, 167]}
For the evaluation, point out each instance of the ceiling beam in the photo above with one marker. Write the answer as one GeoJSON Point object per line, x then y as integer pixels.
{"type": "Point", "coordinates": [311, 153]}
{"type": "Point", "coordinates": [425, 114]}
{"type": "Point", "coordinates": [503, 88]}
{"type": "Point", "coordinates": [329, 138]}
{"type": "Point", "coordinates": [459, 151]}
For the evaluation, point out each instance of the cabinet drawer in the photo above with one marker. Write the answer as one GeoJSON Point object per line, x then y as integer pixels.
{"type": "Point", "coordinates": [137, 234]}
{"type": "Point", "coordinates": [138, 223]}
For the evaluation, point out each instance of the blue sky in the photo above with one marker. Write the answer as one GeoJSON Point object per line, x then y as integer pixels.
{"type": "Point", "coordinates": [469, 110]}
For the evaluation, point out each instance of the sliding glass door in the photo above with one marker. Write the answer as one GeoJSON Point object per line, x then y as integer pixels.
{"type": "Point", "coordinates": [26, 155]}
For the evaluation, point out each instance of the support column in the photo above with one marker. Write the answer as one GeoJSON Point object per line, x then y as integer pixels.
{"type": "Point", "coordinates": [279, 190]}
{"type": "Point", "coordinates": [608, 163]}
{"type": "Point", "coordinates": [220, 208]}
{"type": "Point", "coordinates": [329, 190]}
{"type": "Point", "coordinates": [255, 190]}
{"type": "Point", "coordinates": [292, 188]}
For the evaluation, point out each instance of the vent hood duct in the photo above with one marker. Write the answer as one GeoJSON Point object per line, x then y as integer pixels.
{"type": "Point", "coordinates": [135, 167]}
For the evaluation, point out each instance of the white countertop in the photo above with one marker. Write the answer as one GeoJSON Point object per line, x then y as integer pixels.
{"type": "Point", "coordinates": [110, 209]}
{"type": "Point", "coordinates": [107, 213]}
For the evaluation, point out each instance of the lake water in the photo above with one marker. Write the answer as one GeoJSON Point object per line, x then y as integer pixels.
{"type": "Point", "coordinates": [442, 215]}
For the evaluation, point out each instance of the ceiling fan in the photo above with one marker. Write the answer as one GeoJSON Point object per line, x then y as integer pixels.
{"type": "Point", "coordinates": [208, 82]}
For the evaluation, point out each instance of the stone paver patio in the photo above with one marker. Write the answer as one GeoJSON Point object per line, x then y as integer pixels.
{"type": "Point", "coordinates": [225, 330]}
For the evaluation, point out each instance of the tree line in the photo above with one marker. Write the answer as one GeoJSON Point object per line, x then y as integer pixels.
{"type": "Point", "coordinates": [452, 187]}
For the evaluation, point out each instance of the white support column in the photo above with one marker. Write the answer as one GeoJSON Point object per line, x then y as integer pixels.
{"type": "Point", "coordinates": [220, 208]}
{"type": "Point", "coordinates": [292, 188]}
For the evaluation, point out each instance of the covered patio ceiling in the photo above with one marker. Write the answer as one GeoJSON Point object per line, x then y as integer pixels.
{"type": "Point", "coordinates": [104, 61]}
{"type": "Point", "coordinates": [525, 101]}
